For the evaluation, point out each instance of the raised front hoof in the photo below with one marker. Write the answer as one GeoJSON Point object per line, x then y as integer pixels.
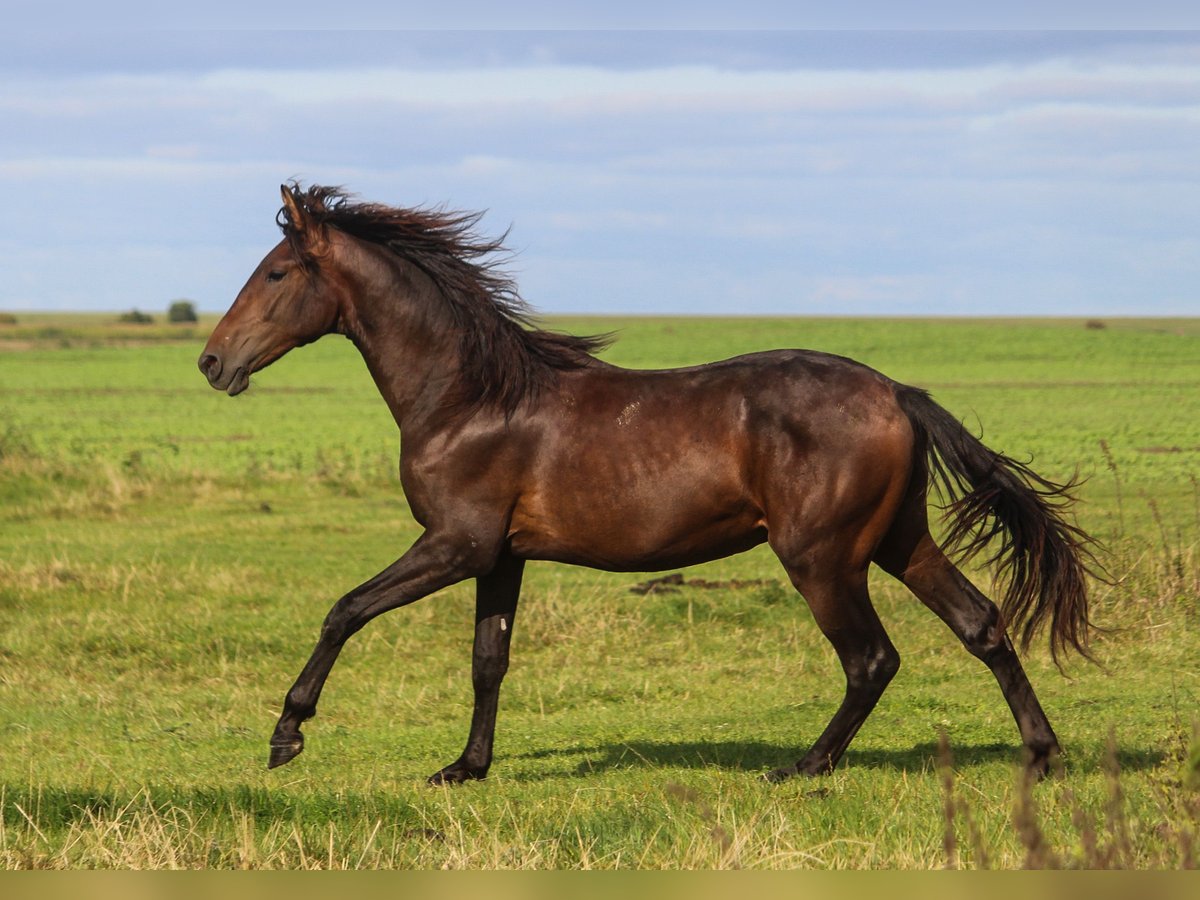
{"type": "Point", "coordinates": [284, 750]}
{"type": "Point", "coordinates": [457, 773]}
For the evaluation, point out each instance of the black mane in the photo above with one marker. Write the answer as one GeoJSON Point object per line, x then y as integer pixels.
{"type": "Point", "coordinates": [505, 358]}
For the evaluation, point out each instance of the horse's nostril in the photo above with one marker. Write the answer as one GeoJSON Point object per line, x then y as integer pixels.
{"type": "Point", "coordinates": [210, 365]}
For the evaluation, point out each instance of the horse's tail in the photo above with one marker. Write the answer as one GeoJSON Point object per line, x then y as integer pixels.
{"type": "Point", "coordinates": [1045, 558]}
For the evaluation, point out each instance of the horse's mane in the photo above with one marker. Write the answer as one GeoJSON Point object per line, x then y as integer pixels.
{"type": "Point", "coordinates": [505, 358]}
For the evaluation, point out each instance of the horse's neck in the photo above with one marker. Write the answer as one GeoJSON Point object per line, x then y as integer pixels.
{"type": "Point", "coordinates": [412, 363]}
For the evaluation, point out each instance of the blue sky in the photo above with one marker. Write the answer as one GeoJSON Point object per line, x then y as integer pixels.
{"type": "Point", "coordinates": [715, 172]}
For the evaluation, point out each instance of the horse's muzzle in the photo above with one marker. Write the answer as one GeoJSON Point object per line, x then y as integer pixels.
{"type": "Point", "coordinates": [232, 382]}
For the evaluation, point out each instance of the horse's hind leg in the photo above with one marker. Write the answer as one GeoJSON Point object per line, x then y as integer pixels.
{"type": "Point", "coordinates": [914, 557]}
{"type": "Point", "coordinates": [840, 604]}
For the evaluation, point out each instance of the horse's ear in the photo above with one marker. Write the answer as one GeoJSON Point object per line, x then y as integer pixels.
{"type": "Point", "coordinates": [292, 211]}
{"type": "Point", "coordinates": [309, 237]}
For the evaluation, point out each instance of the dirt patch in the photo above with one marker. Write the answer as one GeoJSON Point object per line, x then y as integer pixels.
{"type": "Point", "coordinates": [670, 584]}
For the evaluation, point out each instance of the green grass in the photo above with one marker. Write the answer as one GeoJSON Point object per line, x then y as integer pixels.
{"type": "Point", "coordinates": [167, 555]}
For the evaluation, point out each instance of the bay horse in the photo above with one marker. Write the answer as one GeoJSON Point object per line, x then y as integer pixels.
{"type": "Point", "coordinates": [518, 443]}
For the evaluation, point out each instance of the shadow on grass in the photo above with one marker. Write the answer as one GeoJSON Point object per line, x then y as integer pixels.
{"type": "Point", "coordinates": [757, 756]}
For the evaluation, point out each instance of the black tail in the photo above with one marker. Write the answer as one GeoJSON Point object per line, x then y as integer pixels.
{"type": "Point", "coordinates": [1044, 557]}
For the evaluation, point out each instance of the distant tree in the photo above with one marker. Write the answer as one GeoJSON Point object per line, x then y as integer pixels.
{"type": "Point", "coordinates": [8, 319]}
{"type": "Point", "coordinates": [181, 311]}
{"type": "Point", "coordinates": [135, 317]}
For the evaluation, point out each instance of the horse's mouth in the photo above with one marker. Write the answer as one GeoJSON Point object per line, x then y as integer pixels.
{"type": "Point", "coordinates": [235, 379]}
{"type": "Point", "coordinates": [239, 382]}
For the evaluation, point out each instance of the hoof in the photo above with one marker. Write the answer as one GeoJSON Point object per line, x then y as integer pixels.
{"type": "Point", "coordinates": [805, 767]}
{"type": "Point", "coordinates": [284, 750]}
{"type": "Point", "coordinates": [1043, 764]}
{"type": "Point", "coordinates": [775, 776]}
{"type": "Point", "coordinates": [456, 774]}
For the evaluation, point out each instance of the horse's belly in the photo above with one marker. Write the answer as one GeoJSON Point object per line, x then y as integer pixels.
{"type": "Point", "coordinates": [633, 528]}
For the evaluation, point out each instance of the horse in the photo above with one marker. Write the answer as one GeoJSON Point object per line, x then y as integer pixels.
{"type": "Point", "coordinates": [518, 443]}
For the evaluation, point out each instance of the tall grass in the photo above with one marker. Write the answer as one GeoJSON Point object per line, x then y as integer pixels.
{"type": "Point", "coordinates": [1110, 838]}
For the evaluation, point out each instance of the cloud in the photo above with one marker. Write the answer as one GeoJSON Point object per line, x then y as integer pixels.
{"type": "Point", "coordinates": [728, 172]}
{"type": "Point", "coordinates": [157, 49]}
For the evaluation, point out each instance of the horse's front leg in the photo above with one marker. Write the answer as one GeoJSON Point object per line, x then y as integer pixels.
{"type": "Point", "coordinates": [435, 561]}
{"type": "Point", "coordinates": [495, 607]}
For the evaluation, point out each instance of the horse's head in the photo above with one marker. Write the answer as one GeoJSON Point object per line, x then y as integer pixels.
{"type": "Point", "coordinates": [290, 300]}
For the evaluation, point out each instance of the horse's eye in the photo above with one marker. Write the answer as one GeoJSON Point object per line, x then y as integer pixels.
{"type": "Point", "coordinates": [275, 276]}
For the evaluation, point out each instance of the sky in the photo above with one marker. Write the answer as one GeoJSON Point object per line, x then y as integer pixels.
{"type": "Point", "coordinates": [834, 171]}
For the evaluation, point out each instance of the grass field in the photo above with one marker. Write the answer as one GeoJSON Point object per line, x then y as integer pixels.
{"type": "Point", "coordinates": [167, 555]}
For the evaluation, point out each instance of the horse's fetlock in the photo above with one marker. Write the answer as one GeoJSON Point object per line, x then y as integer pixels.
{"type": "Point", "coordinates": [300, 704]}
